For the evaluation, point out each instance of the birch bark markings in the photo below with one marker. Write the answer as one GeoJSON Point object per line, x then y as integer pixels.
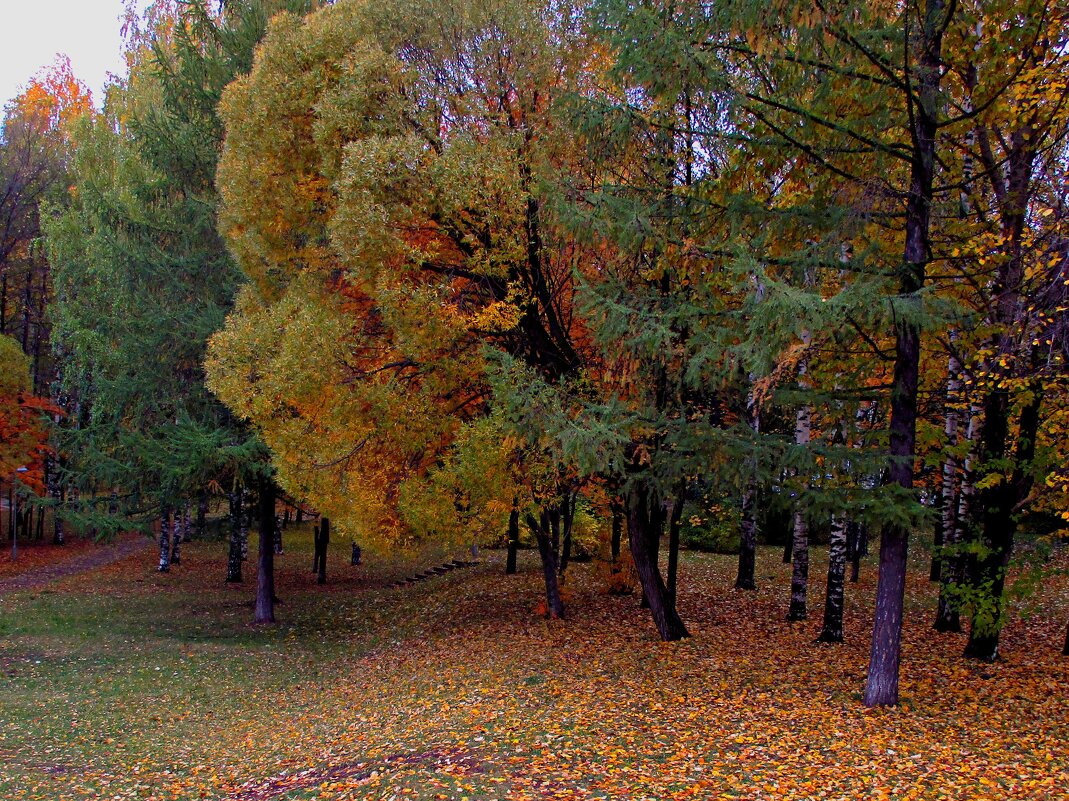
{"type": "Point", "coordinates": [800, 537]}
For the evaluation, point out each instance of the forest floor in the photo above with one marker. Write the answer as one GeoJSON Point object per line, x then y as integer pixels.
{"type": "Point", "coordinates": [122, 683]}
{"type": "Point", "coordinates": [40, 563]}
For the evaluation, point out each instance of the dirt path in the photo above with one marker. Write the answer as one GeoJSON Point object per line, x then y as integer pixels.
{"type": "Point", "coordinates": [88, 560]}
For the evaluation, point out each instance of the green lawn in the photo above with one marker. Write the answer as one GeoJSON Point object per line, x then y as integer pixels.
{"type": "Point", "coordinates": [123, 683]}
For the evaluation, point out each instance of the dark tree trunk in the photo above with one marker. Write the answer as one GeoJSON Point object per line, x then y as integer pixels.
{"type": "Point", "coordinates": [645, 520]}
{"type": "Point", "coordinates": [286, 518]}
{"type": "Point", "coordinates": [265, 574]}
{"type": "Point", "coordinates": [999, 505]}
{"type": "Point", "coordinates": [833, 599]}
{"type": "Point", "coordinates": [1065, 648]}
{"type": "Point", "coordinates": [324, 542]}
{"type": "Point", "coordinates": [748, 539]}
{"type": "Point", "coordinates": [567, 518]}
{"type": "Point", "coordinates": [165, 540]}
{"type": "Point", "coordinates": [548, 553]}
{"type": "Point", "coordinates": [514, 542]}
{"type": "Point", "coordinates": [800, 574]}
{"type": "Point", "coordinates": [315, 549]}
{"type": "Point", "coordinates": [202, 514]}
{"type": "Point", "coordinates": [617, 530]}
{"type": "Point", "coordinates": [853, 549]}
{"type": "Point", "coordinates": [673, 539]}
{"type": "Point", "coordinates": [243, 524]}
{"type": "Point", "coordinates": [233, 558]}
{"type": "Point", "coordinates": [300, 515]}
{"type": "Point", "coordinates": [881, 687]}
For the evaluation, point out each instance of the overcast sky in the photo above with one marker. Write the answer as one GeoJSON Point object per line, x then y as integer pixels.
{"type": "Point", "coordinates": [34, 31]}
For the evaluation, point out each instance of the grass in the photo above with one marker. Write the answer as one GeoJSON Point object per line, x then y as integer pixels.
{"type": "Point", "coordinates": [124, 683]}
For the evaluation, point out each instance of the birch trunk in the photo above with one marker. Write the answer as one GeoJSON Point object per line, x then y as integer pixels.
{"type": "Point", "coordinates": [165, 540]}
{"type": "Point", "coordinates": [800, 538]}
{"type": "Point", "coordinates": [947, 616]}
{"type": "Point", "coordinates": [834, 597]}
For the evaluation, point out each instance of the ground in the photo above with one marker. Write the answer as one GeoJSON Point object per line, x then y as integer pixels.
{"type": "Point", "coordinates": [119, 682]}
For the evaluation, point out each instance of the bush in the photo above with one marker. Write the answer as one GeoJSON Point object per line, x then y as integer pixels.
{"type": "Point", "coordinates": [709, 526]}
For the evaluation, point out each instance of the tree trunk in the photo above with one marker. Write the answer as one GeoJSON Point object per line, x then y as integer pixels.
{"type": "Point", "coordinates": [315, 549]}
{"type": "Point", "coordinates": [999, 526]}
{"type": "Point", "coordinates": [178, 537]}
{"type": "Point", "coordinates": [233, 559]}
{"type": "Point", "coordinates": [833, 599]}
{"type": "Point", "coordinates": [243, 524]}
{"type": "Point", "coordinates": [854, 534]}
{"type": "Point", "coordinates": [947, 616]}
{"type": "Point", "coordinates": [514, 542]}
{"type": "Point", "coordinates": [881, 687]}
{"type": "Point", "coordinates": [324, 541]}
{"type": "Point", "coordinates": [644, 522]}
{"type": "Point", "coordinates": [673, 539]}
{"type": "Point", "coordinates": [946, 541]}
{"type": "Point", "coordinates": [187, 529]}
{"type": "Point", "coordinates": [800, 573]}
{"type": "Point", "coordinates": [748, 538]}
{"type": "Point", "coordinates": [202, 514]}
{"type": "Point", "coordinates": [567, 517]}
{"type": "Point", "coordinates": [541, 532]}
{"type": "Point", "coordinates": [617, 529]}
{"type": "Point", "coordinates": [265, 574]}
{"type": "Point", "coordinates": [165, 539]}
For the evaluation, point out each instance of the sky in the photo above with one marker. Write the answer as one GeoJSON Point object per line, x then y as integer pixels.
{"type": "Point", "coordinates": [34, 31]}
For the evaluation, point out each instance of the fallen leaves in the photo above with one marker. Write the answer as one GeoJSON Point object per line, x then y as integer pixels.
{"type": "Point", "coordinates": [452, 689]}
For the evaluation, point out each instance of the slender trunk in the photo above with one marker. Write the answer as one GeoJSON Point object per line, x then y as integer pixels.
{"type": "Point", "coordinates": [673, 539]}
{"type": "Point", "coordinates": [617, 530]}
{"type": "Point", "coordinates": [854, 533]}
{"type": "Point", "coordinates": [881, 687]}
{"type": "Point", "coordinates": [748, 539]}
{"type": "Point", "coordinates": [187, 529]}
{"type": "Point", "coordinates": [947, 616]}
{"type": "Point", "coordinates": [999, 525]}
{"type": "Point", "coordinates": [948, 494]}
{"type": "Point", "coordinates": [514, 542]}
{"type": "Point", "coordinates": [165, 539]}
{"type": "Point", "coordinates": [265, 574]}
{"type": "Point", "coordinates": [179, 536]}
{"type": "Point", "coordinates": [800, 573]}
{"type": "Point", "coordinates": [58, 534]}
{"type": "Point", "coordinates": [324, 542]}
{"type": "Point", "coordinates": [233, 559]}
{"type": "Point", "coordinates": [567, 517]}
{"type": "Point", "coordinates": [541, 532]}
{"type": "Point", "coordinates": [315, 549]}
{"type": "Point", "coordinates": [202, 514]}
{"type": "Point", "coordinates": [243, 524]}
{"type": "Point", "coordinates": [833, 599]}
{"type": "Point", "coordinates": [300, 515]}
{"type": "Point", "coordinates": [644, 522]}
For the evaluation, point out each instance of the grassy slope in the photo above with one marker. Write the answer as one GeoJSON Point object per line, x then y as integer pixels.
{"type": "Point", "coordinates": [127, 684]}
